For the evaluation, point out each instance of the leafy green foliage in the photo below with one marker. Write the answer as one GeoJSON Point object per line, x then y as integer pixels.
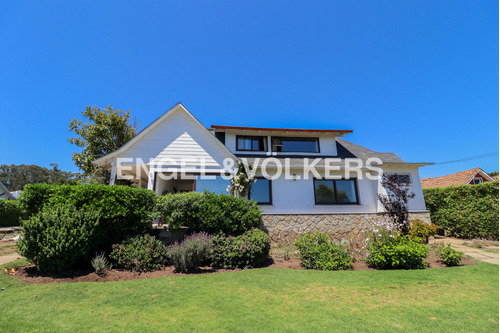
{"type": "Point", "coordinates": [125, 211]}
{"type": "Point", "coordinates": [466, 211]}
{"type": "Point", "coordinates": [248, 250]}
{"type": "Point", "coordinates": [15, 177]}
{"type": "Point", "coordinates": [318, 252]}
{"type": "Point", "coordinates": [192, 252]}
{"type": "Point", "coordinates": [106, 131]}
{"type": "Point", "coordinates": [242, 181]}
{"type": "Point", "coordinates": [209, 212]}
{"type": "Point", "coordinates": [421, 231]}
{"type": "Point", "coordinates": [61, 237]}
{"type": "Point", "coordinates": [140, 254]}
{"type": "Point", "coordinates": [10, 213]}
{"type": "Point", "coordinates": [450, 256]}
{"type": "Point", "coordinates": [398, 253]}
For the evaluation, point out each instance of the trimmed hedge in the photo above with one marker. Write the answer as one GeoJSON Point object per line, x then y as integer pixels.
{"type": "Point", "coordinates": [61, 237]}
{"type": "Point", "coordinates": [125, 211]}
{"type": "Point", "coordinates": [401, 253]}
{"type": "Point", "coordinates": [10, 213]}
{"type": "Point", "coordinates": [209, 212]}
{"type": "Point", "coordinates": [466, 211]}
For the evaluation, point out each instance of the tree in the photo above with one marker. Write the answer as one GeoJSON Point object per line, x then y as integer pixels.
{"type": "Point", "coordinates": [242, 181]}
{"type": "Point", "coordinates": [14, 177]}
{"type": "Point", "coordinates": [105, 131]}
{"type": "Point", "coordinates": [396, 200]}
{"type": "Point", "coordinates": [493, 174]}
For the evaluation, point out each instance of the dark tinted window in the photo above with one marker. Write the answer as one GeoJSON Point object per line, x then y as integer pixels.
{"type": "Point", "coordinates": [303, 145]}
{"type": "Point", "coordinates": [251, 143]}
{"type": "Point", "coordinates": [332, 192]}
{"type": "Point", "coordinates": [261, 191]}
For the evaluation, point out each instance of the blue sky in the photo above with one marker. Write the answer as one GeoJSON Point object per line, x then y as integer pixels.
{"type": "Point", "coordinates": [418, 78]}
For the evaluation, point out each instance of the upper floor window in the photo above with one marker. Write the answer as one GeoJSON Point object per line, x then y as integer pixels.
{"type": "Point", "coordinates": [403, 179]}
{"type": "Point", "coordinates": [298, 145]}
{"type": "Point", "coordinates": [251, 143]}
{"type": "Point", "coordinates": [335, 192]}
{"type": "Point", "coordinates": [478, 180]}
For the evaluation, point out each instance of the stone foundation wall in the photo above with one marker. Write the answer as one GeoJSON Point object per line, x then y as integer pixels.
{"type": "Point", "coordinates": [340, 226]}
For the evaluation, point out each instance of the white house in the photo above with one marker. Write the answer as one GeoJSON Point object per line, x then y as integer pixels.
{"type": "Point", "coordinates": [311, 179]}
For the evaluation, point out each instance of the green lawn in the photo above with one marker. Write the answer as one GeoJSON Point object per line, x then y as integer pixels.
{"type": "Point", "coordinates": [462, 299]}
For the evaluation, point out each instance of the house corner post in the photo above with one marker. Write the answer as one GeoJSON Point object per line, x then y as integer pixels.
{"type": "Point", "coordinates": [113, 175]}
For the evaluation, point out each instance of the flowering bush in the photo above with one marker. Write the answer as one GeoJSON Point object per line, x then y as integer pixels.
{"type": "Point", "coordinates": [245, 251]}
{"type": "Point", "coordinates": [242, 181]}
{"type": "Point", "coordinates": [140, 254]}
{"type": "Point", "coordinates": [318, 252]}
{"type": "Point", "coordinates": [388, 249]}
{"type": "Point", "coordinates": [192, 252]}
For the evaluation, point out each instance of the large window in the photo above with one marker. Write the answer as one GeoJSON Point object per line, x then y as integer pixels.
{"type": "Point", "coordinates": [251, 143]}
{"type": "Point", "coordinates": [335, 192]}
{"type": "Point", "coordinates": [262, 192]}
{"type": "Point", "coordinates": [218, 185]}
{"type": "Point", "coordinates": [298, 145]}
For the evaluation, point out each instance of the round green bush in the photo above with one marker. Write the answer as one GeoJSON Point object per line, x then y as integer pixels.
{"type": "Point", "coordinates": [400, 253]}
{"type": "Point", "coordinates": [194, 251]}
{"type": "Point", "coordinates": [209, 212]}
{"type": "Point", "coordinates": [140, 254]}
{"type": "Point", "coordinates": [318, 252]}
{"type": "Point", "coordinates": [249, 250]}
{"type": "Point", "coordinates": [61, 237]}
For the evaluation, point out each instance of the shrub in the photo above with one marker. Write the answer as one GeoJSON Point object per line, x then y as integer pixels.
{"type": "Point", "coordinates": [100, 263]}
{"type": "Point", "coordinates": [248, 250]}
{"type": "Point", "coordinates": [62, 237]}
{"type": "Point", "coordinates": [125, 211]}
{"type": "Point", "coordinates": [191, 253]}
{"type": "Point", "coordinates": [34, 197]}
{"type": "Point", "coordinates": [209, 212]}
{"type": "Point", "coordinates": [449, 256]}
{"type": "Point", "coordinates": [140, 254]}
{"type": "Point", "coordinates": [399, 253]}
{"type": "Point", "coordinates": [318, 252]}
{"type": "Point", "coordinates": [10, 213]}
{"type": "Point", "coordinates": [421, 231]}
{"type": "Point", "coordinates": [466, 211]}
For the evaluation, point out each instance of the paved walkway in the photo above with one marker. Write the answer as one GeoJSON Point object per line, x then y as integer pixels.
{"type": "Point", "coordinates": [9, 258]}
{"type": "Point", "coordinates": [479, 254]}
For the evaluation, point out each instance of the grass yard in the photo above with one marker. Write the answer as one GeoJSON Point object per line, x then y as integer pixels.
{"type": "Point", "coordinates": [461, 299]}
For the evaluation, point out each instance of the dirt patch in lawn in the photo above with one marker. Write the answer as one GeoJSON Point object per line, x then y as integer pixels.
{"type": "Point", "coordinates": [29, 274]}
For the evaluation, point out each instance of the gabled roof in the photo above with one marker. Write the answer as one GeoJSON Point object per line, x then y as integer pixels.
{"type": "Point", "coordinates": [5, 193]}
{"type": "Point", "coordinates": [177, 107]}
{"type": "Point", "coordinates": [454, 179]}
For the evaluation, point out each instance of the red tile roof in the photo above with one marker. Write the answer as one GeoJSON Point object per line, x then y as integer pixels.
{"type": "Point", "coordinates": [281, 129]}
{"type": "Point", "coordinates": [459, 178]}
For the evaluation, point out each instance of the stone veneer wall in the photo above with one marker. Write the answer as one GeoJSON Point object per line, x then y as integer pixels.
{"type": "Point", "coordinates": [340, 226]}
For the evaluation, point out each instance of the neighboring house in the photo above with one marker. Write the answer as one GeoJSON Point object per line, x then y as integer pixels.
{"type": "Point", "coordinates": [177, 149]}
{"type": "Point", "coordinates": [5, 193]}
{"type": "Point", "coordinates": [16, 194]}
{"type": "Point", "coordinates": [470, 177]}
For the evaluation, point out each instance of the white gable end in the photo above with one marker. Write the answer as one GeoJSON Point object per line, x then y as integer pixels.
{"type": "Point", "coordinates": [177, 134]}
{"type": "Point", "coordinates": [185, 151]}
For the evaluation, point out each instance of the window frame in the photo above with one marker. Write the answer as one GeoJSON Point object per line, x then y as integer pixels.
{"type": "Point", "coordinates": [270, 183]}
{"type": "Point", "coordinates": [480, 180]}
{"type": "Point", "coordinates": [262, 137]}
{"type": "Point", "coordinates": [297, 138]}
{"type": "Point", "coordinates": [336, 203]}
{"type": "Point", "coordinates": [410, 180]}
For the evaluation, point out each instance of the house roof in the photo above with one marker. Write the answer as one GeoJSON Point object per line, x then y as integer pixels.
{"type": "Point", "coordinates": [345, 150]}
{"type": "Point", "coordinates": [177, 107]}
{"type": "Point", "coordinates": [282, 129]}
{"type": "Point", "coordinates": [495, 177]}
{"type": "Point", "coordinates": [5, 193]}
{"type": "Point", "coordinates": [454, 179]}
